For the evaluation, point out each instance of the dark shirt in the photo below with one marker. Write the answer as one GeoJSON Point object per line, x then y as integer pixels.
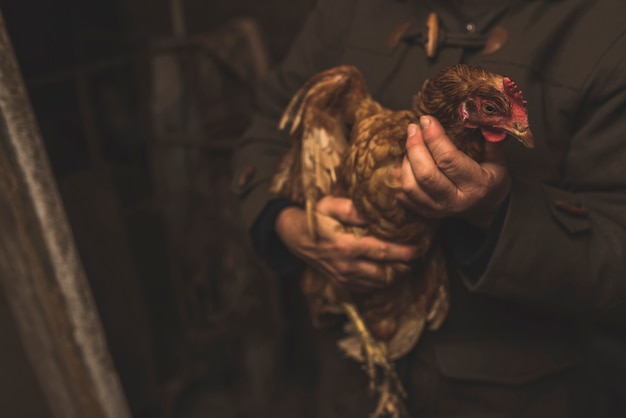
{"type": "Point", "coordinates": [268, 245]}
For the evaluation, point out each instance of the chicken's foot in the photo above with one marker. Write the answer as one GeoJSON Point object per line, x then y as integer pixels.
{"type": "Point", "coordinates": [383, 378]}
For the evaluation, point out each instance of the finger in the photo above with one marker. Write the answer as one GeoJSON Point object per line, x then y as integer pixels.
{"type": "Point", "coordinates": [364, 276]}
{"type": "Point", "coordinates": [340, 208]}
{"type": "Point", "coordinates": [437, 142]}
{"type": "Point", "coordinates": [422, 174]}
{"type": "Point", "coordinates": [407, 201]}
{"type": "Point", "coordinates": [422, 163]}
{"type": "Point", "coordinates": [454, 164]}
{"type": "Point", "coordinates": [374, 249]}
{"type": "Point", "coordinates": [494, 166]}
{"type": "Point", "coordinates": [413, 192]}
{"type": "Point", "coordinates": [494, 154]}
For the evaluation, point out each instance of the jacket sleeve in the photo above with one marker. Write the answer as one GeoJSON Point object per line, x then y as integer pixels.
{"type": "Point", "coordinates": [258, 151]}
{"type": "Point", "coordinates": [563, 246]}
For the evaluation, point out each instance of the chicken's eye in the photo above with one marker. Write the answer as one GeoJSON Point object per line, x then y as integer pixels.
{"type": "Point", "coordinates": [489, 109]}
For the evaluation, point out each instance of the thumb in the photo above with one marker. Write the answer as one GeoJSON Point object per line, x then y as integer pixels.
{"type": "Point", "coordinates": [493, 153]}
{"type": "Point", "coordinates": [341, 209]}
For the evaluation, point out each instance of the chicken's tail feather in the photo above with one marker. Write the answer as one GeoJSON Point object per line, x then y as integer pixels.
{"type": "Point", "coordinates": [319, 115]}
{"type": "Point", "coordinates": [337, 91]}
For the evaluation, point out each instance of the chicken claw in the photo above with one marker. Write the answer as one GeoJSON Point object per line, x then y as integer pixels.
{"type": "Point", "coordinates": [383, 378]}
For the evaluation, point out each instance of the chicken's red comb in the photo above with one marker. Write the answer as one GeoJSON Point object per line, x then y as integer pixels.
{"type": "Point", "coordinates": [511, 90]}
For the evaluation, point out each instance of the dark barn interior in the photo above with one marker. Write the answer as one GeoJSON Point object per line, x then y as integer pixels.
{"type": "Point", "coordinates": [138, 104]}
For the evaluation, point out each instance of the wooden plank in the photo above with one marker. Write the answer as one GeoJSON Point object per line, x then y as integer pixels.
{"type": "Point", "coordinates": [40, 270]}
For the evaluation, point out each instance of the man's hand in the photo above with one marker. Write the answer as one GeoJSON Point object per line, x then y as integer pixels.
{"type": "Point", "coordinates": [349, 261]}
{"type": "Point", "coordinates": [440, 181]}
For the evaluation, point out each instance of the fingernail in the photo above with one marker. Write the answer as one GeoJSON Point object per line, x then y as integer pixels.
{"type": "Point", "coordinates": [424, 122]}
{"type": "Point", "coordinates": [412, 129]}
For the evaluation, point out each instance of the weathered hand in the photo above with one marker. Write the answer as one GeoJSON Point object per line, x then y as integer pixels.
{"type": "Point", "coordinates": [349, 261]}
{"type": "Point", "coordinates": [440, 181]}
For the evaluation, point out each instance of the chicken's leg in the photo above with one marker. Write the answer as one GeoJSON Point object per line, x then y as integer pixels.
{"type": "Point", "coordinates": [381, 370]}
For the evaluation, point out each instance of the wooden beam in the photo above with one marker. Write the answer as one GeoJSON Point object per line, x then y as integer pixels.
{"type": "Point", "coordinates": [40, 271]}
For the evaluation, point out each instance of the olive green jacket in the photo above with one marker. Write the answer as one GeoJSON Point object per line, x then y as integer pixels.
{"type": "Point", "coordinates": [559, 266]}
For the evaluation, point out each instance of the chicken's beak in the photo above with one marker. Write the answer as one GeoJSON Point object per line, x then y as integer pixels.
{"type": "Point", "coordinates": [522, 133]}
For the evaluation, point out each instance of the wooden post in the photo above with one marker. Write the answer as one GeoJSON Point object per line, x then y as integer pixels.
{"type": "Point", "coordinates": [40, 271]}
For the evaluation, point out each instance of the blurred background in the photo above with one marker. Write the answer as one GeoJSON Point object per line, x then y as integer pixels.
{"type": "Point", "coordinates": [139, 103]}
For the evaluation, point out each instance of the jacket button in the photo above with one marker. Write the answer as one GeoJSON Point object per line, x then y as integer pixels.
{"type": "Point", "coordinates": [571, 207]}
{"type": "Point", "coordinates": [495, 41]}
{"type": "Point", "coordinates": [432, 41]}
{"type": "Point", "coordinates": [247, 174]}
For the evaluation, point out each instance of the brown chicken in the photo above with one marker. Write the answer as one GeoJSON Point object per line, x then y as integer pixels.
{"type": "Point", "coordinates": [346, 144]}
